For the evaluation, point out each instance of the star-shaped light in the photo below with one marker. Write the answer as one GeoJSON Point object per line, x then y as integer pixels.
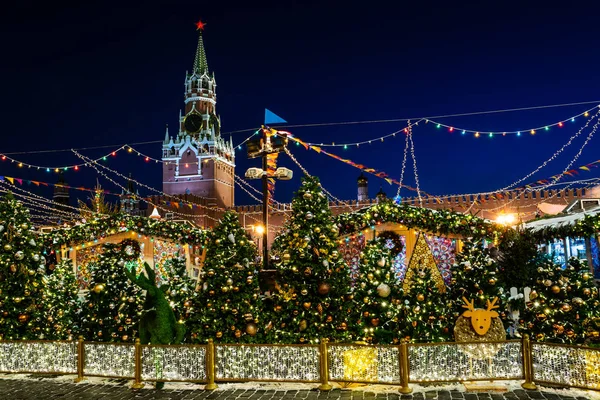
{"type": "Point", "coordinates": [200, 25]}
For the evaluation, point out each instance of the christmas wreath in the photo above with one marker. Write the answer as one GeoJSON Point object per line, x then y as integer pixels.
{"type": "Point", "coordinates": [130, 249]}
{"type": "Point", "coordinates": [392, 241]}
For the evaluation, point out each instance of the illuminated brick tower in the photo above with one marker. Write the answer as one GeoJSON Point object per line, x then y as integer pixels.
{"type": "Point", "coordinates": [198, 160]}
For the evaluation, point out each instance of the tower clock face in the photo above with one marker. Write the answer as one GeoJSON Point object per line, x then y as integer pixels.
{"type": "Point", "coordinates": [193, 123]}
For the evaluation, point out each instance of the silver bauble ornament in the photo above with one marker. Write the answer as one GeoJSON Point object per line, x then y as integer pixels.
{"type": "Point", "coordinates": [383, 290]}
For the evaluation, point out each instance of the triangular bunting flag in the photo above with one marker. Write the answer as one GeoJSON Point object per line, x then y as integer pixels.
{"type": "Point", "coordinates": [272, 118]}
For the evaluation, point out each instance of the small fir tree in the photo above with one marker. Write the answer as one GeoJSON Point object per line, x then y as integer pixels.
{"type": "Point", "coordinates": [427, 314]}
{"type": "Point", "coordinates": [519, 258]}
{"type": "Point", "coordinates": [22, 274]}
{"type": "Point", "coordinates": [377, 297]}
{"type": "Point", "coordinates": [112, 305]}
{"type": "Point", "coordinates": [62, 302]}
{"type": "Point", "coordinates": [312, 301]}
{"type": "Point", "coordinates": [227, 309]}
{"type": "Point", "coordinates": [475, 276]}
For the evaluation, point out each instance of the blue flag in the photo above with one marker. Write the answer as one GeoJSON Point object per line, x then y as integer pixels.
{"type": "Point", "coordinates": [272, 118]}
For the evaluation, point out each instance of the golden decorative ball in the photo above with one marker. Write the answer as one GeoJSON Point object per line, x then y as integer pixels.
{"type": "Point", "coordinates": [224, 289]}
{"type": "Point", "coordinates": [286, 257]}
{"type": "Point", "coordinates": [210, 272]}
{"type": "Point", "coordinates": [370, 276]}
{"type": "Point", "coordinates": [306, 305]}
{"type": "Point", "coordinates": [218, 241]}
{"type": "Point", "coordinates": [366, 314]}
{"type": "Point", "coordinates": [317, 229]}
{"type": "Point", "coordinates": [187, 303]}
{"type": "Point", "coordinates": [13, 268]}
{"type": "Point", "coordinates": [324, 288]}
{"type": "Point", "coordinates": [98, 288]}
{"type": "Point", "coordinates": [99, 333]}
{"type": "Point", "coordinates": [125, 338]}
{"type": "Point", "coordinates": [420, 297]}
{"type": "Point", "coordinates": [307, 196]}
{"type": "Point", "coordinates": [7, 247]}
{"type": "Point", "coordinates": [229, 281]}
{"type": "Point", "coordinates": [304, 292]}
{"type": "Point", "coordinates": [585, 276]}
{"type": "Point", "coordinates": [329, 318]}
{"type": "Point", "coordinates": [555, 289]}
{"type": "Point", "coordinates": [219, 335]}
{"type": "Point", "coordinates": [23, 318]}
{"type": "Point", "coordinates": [533, 295]}
{"type": "Point", "coordinates": [587, 291]}
{"type": "Point", "coordinates": [308, 271]}
{"type": "Point", "coordinates": [541, 317]}
{"type": "Point", "coordinates": [249, 280]}
{"type": "Point", "coordinates": [570, 333]}
{"type": "Point", "coordinates": [566, 307]}
{"type": "Point", "coordinates": [547, 283]}
{"type": "Point", "coordinates": [343, 326]}
{"type": "Point", "coordinates": [539, 337]}
{"type": "Point", "coordinates": [211, 292]}
{"type": "Point", "coordinates": [238, 334]}
{"type": "Point", "coordinates": [251, 329]}
{"type": "Point", "coordinates": [492, 281]}
{"type": "Point", "coordinates": [236, 289]}
{"type": "Point", "coordinates": [302, 325]}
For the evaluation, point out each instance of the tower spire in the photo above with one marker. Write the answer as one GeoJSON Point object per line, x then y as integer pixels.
{"type": "Point", "coordinates": [200, 63]}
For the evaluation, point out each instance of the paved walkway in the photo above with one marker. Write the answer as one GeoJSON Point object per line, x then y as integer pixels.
{"type": "Point", "coordinates": [42, 389]}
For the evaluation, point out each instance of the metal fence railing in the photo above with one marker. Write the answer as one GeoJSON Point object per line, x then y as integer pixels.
{"type": "Point", "coordinates": [545, 363]}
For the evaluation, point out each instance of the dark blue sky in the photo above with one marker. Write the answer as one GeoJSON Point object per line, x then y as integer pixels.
{"type": "Point", "coordinates": [100, 73]}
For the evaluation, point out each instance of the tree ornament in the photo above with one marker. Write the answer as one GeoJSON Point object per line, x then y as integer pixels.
{"type": "Point", "coordinates": [565, 307]}
{"type": "Point", "coordinates": [383, 290]}
{"type": "Point", "coordinates": [286, 257]}
{"type": "Point", "coordinates": [229, 281]}
{"type": "Point", "coordinates": [324, 288]}
{"type": "Point", "coordinates": [587, 292]}
{"type": "Point", "coordinates": [217, 242]}
{"type": "Point", "coordinates": [13, 268]}
{"type": "Point", "coordinates": [249, 280]}
{"type": "Point", "coordinates": [219, 335]}
{"type": "Point", "coordinates": [224, 289]}
{"type": "Point", "coordinates": [555, 289]}
{"type": "Point", "coordinates": [492, 281]}
{"type": "Point", "coordinates": [420, 297]}
{"type": "Point", "coordinates": [251, 329]}
{"type": "Point", "coordinates": [304, 292]}
{"type": "Point", "coordinates": [381, 262]}
{"type": "Point", "coordinates": [7, 247]}
{"type": "Point", "coordinates": [98, 288]}
{"type": "Point", "coordinates": [31, 242]}
{"type": "Point", "coordinates": [375, 321]}
{"type": "Point", "coordinates": [533, 295]}
{"type": "Point", "coordinates": [307, 196]}
{"type": "Point", "coordinates": [547, 283]}
{"type": "Point", "coordinates": [306, 305]}
{"type": "Point", "coordinates": [231, 238]}
{"type": "Point", "coordinates": [317, 229]}
{"type": "Point", "coordinates": [23, 318]}
{"type": "Point", "coordinates": [308, 271]}
{"type": "Point", "coordinates": [302, 325]}
{"type": "Point", "coordinates": [309, 215]}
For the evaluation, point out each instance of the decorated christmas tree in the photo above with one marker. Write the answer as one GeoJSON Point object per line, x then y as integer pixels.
{"type": "Point", "coordinates": [475, 276]}
{"type": "Point", "coordinates": [61, 302]}
{"type": "Point", "coordinates": [562, 304]}
{"type": "Point", "coordinates": [427, 315]}
{"type": "Point", "coordinates": [22, 274]}
{"type": "Point", "coordinates": [227, 309]}
{"type": "Point", "coordinates": [377, 298]}
{"type": "Point", "coordinates": [181, 289]}
{"type": "Point", "coordinates": [312, 301]}
{"type": "Point", "coordinates": [112, 306]}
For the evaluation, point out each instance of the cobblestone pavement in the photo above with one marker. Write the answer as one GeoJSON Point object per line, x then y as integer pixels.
{"type": "Point", "coordinates": [42, 389]}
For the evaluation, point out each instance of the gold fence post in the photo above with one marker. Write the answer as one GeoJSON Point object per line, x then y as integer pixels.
{"type": "Point", "coordinates": [404, 369]}
{"type": "Point", "coordinates": [324, 366]}
{"type": "Point", "coordinates": [527, 364]}
{"type": "Point", "coordinates": [137, 381]}
{"type": "Point", "coordinates": [210, 366]}
{"type": "Point", "coordinates": [80, 360]}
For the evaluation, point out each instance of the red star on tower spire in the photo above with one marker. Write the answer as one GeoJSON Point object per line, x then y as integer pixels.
{"type": "Point", "coordinates": [200, 25]}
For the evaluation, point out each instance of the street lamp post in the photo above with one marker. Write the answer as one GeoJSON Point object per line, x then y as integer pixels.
{"type": "Point", "coordinates": [271, 142]}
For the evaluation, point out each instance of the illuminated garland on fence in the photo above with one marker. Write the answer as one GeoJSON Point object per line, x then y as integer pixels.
{"type": "Point", "coordinates": [441, 222]}
{"type": "Point", "coordinates": [99, 229]}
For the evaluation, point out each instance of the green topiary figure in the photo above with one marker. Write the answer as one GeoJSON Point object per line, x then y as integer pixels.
{"type": "Point", "coordinates": [158, 324]}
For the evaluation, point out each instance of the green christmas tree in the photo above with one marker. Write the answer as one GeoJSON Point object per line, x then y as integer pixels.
{"type": "Point", "coordinates": [22, 274]}
{"type": "Point", "coordinates": [475, 276]}
{"type": "Point", "coordinates": [427, 311]}
{"type": "Point", "coordinates": [313, 300]}
{"type": "Point", "coordinates": [61, 302]}
{"type": "Point", "coordinates": [562, 304]}
{"type": "Point", "coordinates": [181, 289]}
{"type": "Point", "coordinates": [112, 306]}
{"type": "Point", "coordinates": [377, 297]}
{"type": "Point", "coordinates": [227, 309]}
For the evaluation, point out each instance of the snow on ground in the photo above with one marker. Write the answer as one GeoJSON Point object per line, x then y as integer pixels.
{"type": "Point", "coordinates": [285, 386]}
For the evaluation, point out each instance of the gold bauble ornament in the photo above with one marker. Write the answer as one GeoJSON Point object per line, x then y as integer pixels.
{"type": "Point", "coordinates": [219, 335]}
{"type": "Point", "coordinates": [492, 281]}
{"type": "Point", "coordinates": [251, 329]}
{"type": "Point", "coordinates": [533, 295]}
{"type": "Point", "coordinates": [381, 262]}
{"type": "Point", "coordinates": [236, 289]}
{"type": "Point", "coordinates": [587, 291]}
{"type": "Point", "coordinates": [125, 338]}
{"type": "Point", "coordinates": [218, 241]}
{"type": "Point", "coordinates": [99, 333]}
{"type": "Point", "coordinates": [302, 325]}
{"type": "Point", "coordinates": [343, 326]}
{"type": "Point", "coordinates": [249, 280]}
{"type": "Point", "coordinates": [211, 292]}
{"type": "Point", "coordinates": [229, 281]}
{"type": "Point", "coordinates": [211, 272]}
{"type": "Point", "coordinates": [308, 271]}
{"type": "Point", "coordinates": [565, 308]}
{"type": "Point", "coordinates": [238, 334]}
{"type": "Point", "coordinates": [307, 196]}
{"type": "Point", "coordinates": [555, 289]}
{"type": "Point", "coordinates": [570, 333]}
{"type": "Point", "coordinates": [370, 276]}
{"type": "Point", "coordinates": [7, 247]}
{"type": "Point", "coordinates": [128, 321]}
{"type": "Point", "coordinates": [187, 303]}
{"type": "Point", "coordinates": [547, 283]}
{"type": "Point", "coordinates": [317, 229]}
{"type": "Point", "coordinates": [13, 268]}
{"type": "Point", "coordinates": [539, 337]}
{"type": "Point", "coordinates": [585, 276]}
{"type": "Point", "coordinates": [541, 317]}
{"type": "Point", "coordinates": [366, 314]}
{"type": "Point", "coordinates": [420, 297]}
{"type": "Point", "coordinates": [304, 292]}
{"type": "Point", "coordinates": [98, 288]}
{"type": "Point", "coordinates": [23, 318]}
{"type": "Point", "coordinates": [324, 288]}
{"type": "Point", "coordinates": [329, 318]}
{"type": "Point", "coordinates": [224, 289]}
{"type": "Point", "coordinates": [286, 257]}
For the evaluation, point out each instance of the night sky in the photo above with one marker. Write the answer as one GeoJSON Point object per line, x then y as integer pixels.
{"type": "Point", "coordinates": [103, 73]}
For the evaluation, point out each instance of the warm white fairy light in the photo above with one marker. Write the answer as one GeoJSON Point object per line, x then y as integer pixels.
{"type": "Point", "coordinates": [364, 363]}
{"type": "Point", "coordinates": [463, 362]}
{"type": "Point", "coordinates": [277, 363]}
{"type": "Point", "coordinates": [109, 359]}
{"type": "Point", "coordinates": [412, 153]}
{"type": "Point", "coordinates": [570, 366]}
{"type": "Point", "coordinates": [403, 167]}
{"type": "Point", "coordinates": [58, 357]}
{"type": "Point", "coordinates": [175, 363]}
